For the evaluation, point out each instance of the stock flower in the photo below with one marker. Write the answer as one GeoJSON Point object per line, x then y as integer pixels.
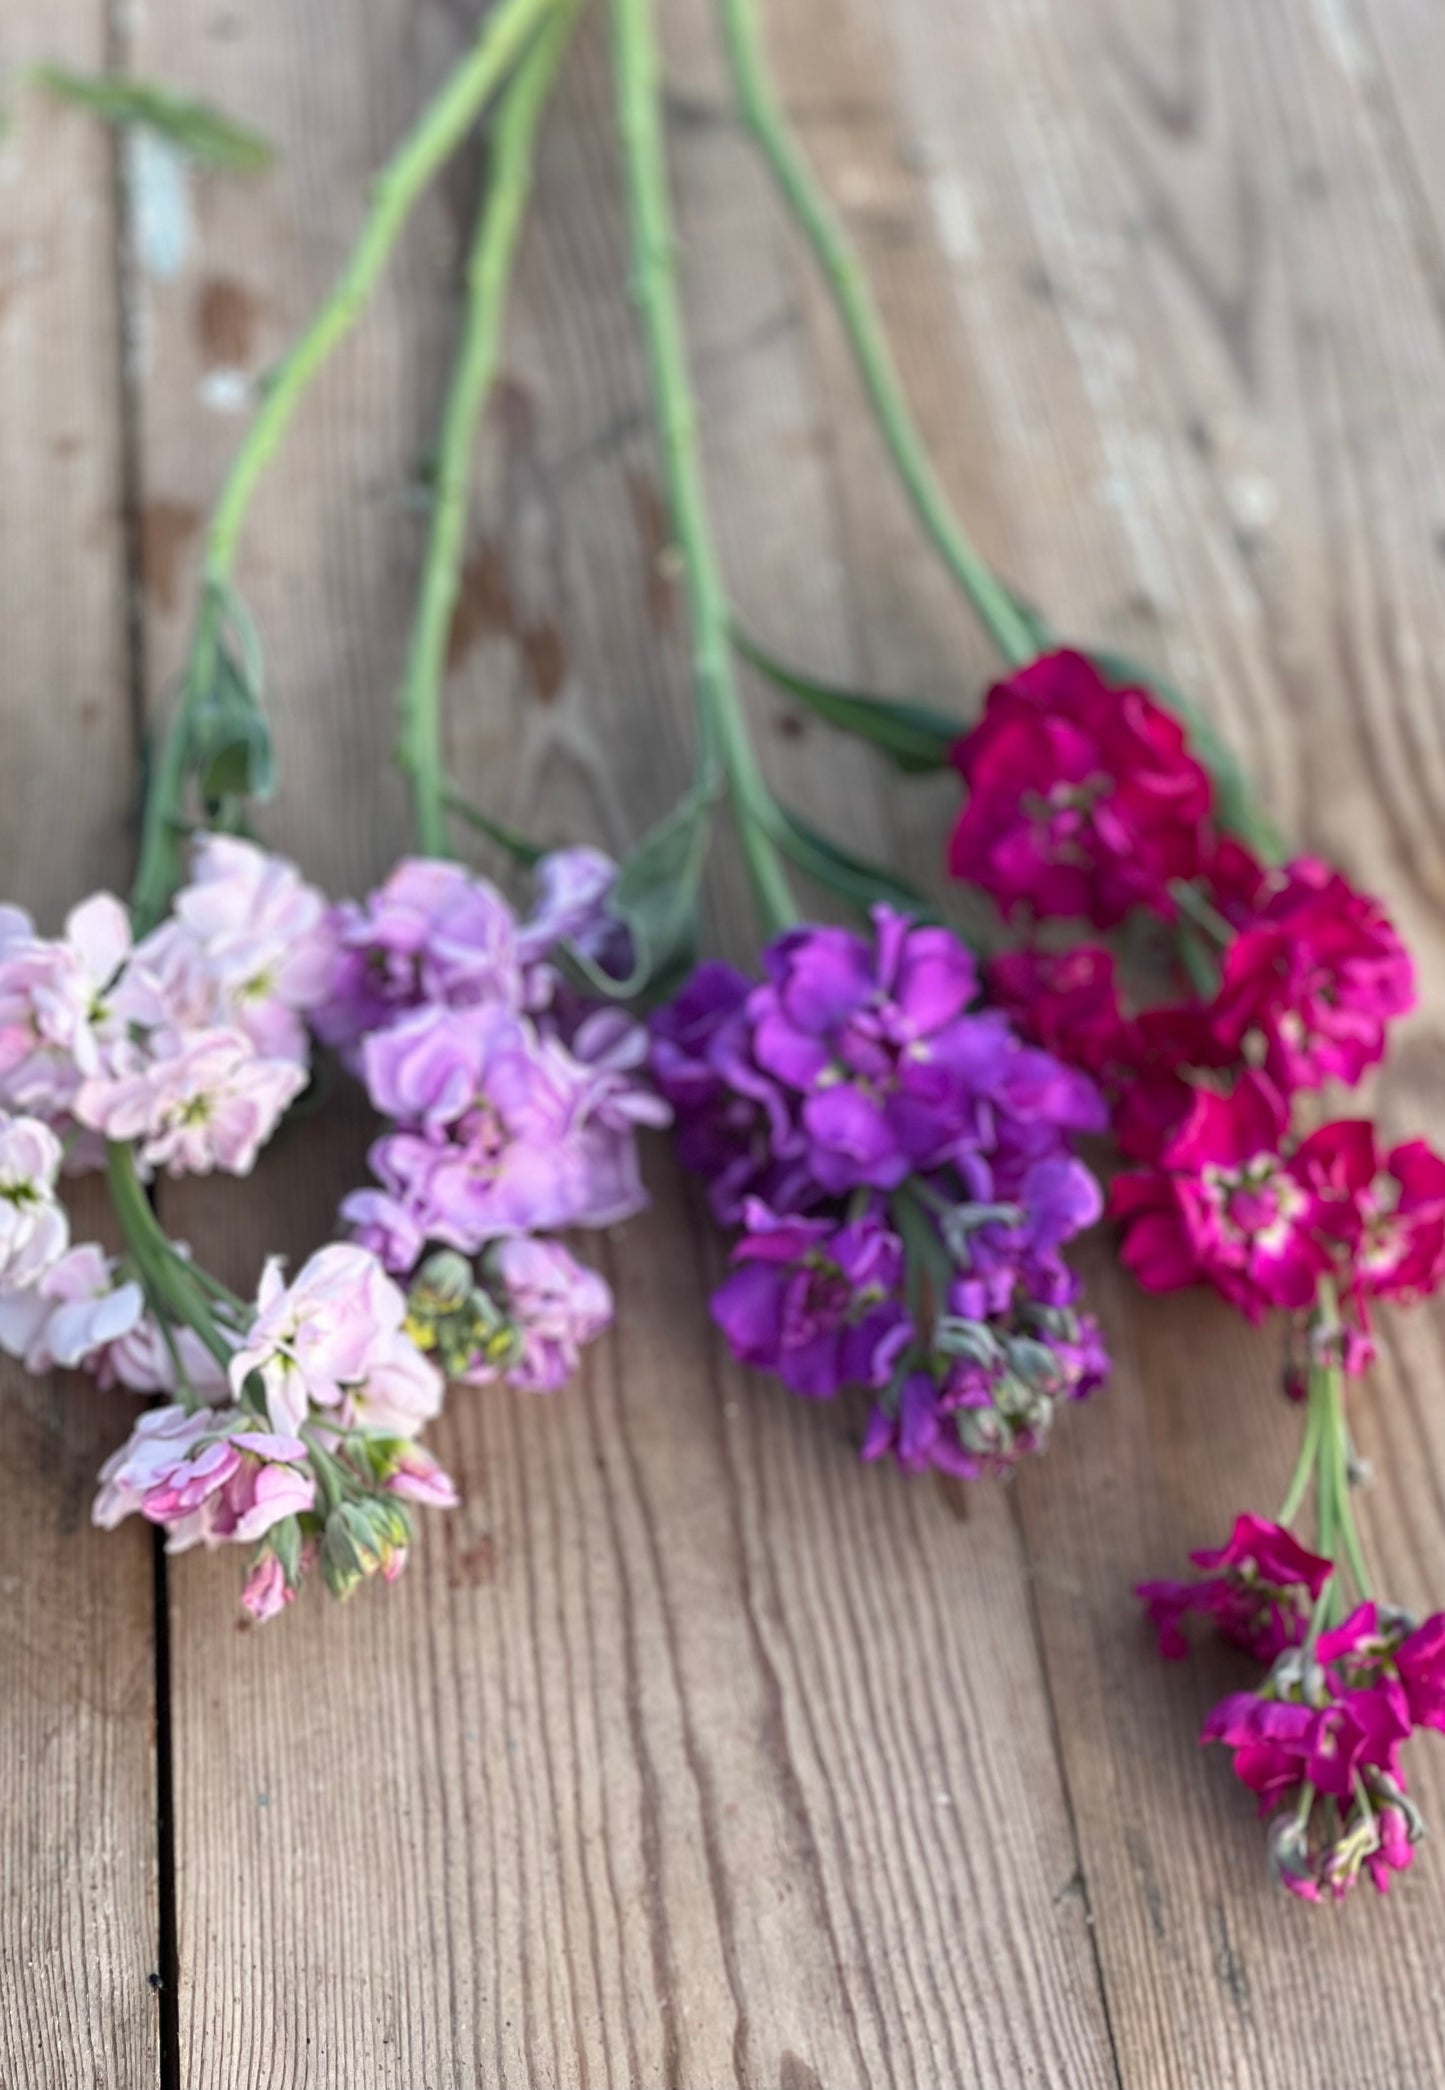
{"type": "Point", "coordinates": [733, 1124]}
{"type": "Point", "coordinates": [33, 1226]}
{"type": "Point", "coordinates": [1083, 801]}
{"type": "Point", "coordinates": [414, 1475]}
{"type": "Point", "coordinates": [815, 1302]}
{"type": "Point", "coordinates": [332, 1339]}
{"type": "Point", "coordinates": [266, 1591]}
{"type": "Point", "coordinates": [1318, 973]}
{"type": "Point", "coordinates": [1389, 1207]}
{"type": "Point", "coordinates": [433, 932]}
{"type": "Point", "coordinates": [65, 1005]}
{"type": "Point", "coordinates": [1227, 1206]}
{"type": "Point", "coordinates": [873, 1041]}
{"type": "Point", "coordinates": [209, 1477]}
{"type": "Point", "coordinates": [247, 947]}
{"type": "Point", "coordinates": [212, 1103]}
{"type": "Point", "coordinates": [1259, 1589]}
{"type": "Point", "coordinates": [554, 1305]}
{"type": "Point", "coordinates": [1068, 1002]}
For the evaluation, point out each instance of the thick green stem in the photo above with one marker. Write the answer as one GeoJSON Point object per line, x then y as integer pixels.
{"type": "Point", "coordinates": [167, 1278]}
{"type": "Point", "coordinates": [508, 29]}
{"type": "Point", "coordinates": [489, 269]}
{"type": "Point", "coordinates": [764, 115]}
{"type": "Point", "coordinates": [723, 732]}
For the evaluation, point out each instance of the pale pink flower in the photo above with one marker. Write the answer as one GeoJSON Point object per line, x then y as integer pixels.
{"type": "Point", "coordinates": [213, 1104]}
{"type": "Point", "coordinates": [267, 1592]}
{"type": "Point", "coordinates": [416, 1477]}
{"type": "Point", "coordinates": [66, 1005]}
{"type": "Point", "coordinates": [333, 1339]}
{"type": "Point", "coordinates": [84, 1316]}
{"type": "Point", "coordinates": [248, 947]}
{"type": "Point", "coordinates": [33, 1226]}
{"type": "Point", "coordinates": [210, 1477]}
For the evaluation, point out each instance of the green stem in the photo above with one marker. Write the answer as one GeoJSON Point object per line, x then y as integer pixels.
{"type": "Point", "coordinates": [489, 269]}
{"type": "Point", "coordinates": [165, 1275]}
{"type": "Point", "coordinates": [763, 113]}
{"type": "Point", "coordinates": [1304, 1465]}
{"type": "Point", "coordinates": [722, 728]}
{"type": "Point", "coordinates": [504, 36]}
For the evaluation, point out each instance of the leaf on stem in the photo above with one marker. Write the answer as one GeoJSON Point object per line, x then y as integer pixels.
{"type": "Point", "coordinates": [915, 737]}
{"type": "Point", "coordinates": [655, 899]}
{"type": "Point", "coordinates": [200, 132]}
{"type": "Point", "coordinates": [506, 838]}
{"type": "Point", "coordinates": [230, 740]}
{"type": "Point", "coordinates": [861, 883]}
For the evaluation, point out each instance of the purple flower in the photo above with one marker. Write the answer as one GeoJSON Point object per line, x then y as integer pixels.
{"type": "Point", "coordinates": [555, 1306]}
{"type": "Point", "coordinates": [874, 1042]}
{"type": "Point", "coordinates": [816, 1302]}
{"type": "Point", "coordinates": [434, 932]}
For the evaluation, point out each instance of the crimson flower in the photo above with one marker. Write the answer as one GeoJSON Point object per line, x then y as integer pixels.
{"type": "Point", "coordinates": [1084, 801]}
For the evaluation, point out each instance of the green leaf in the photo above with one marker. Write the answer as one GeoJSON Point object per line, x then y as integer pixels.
{"type": "Point", "coordinates": [861, 883]}
{"type": "Point", "coordinates": [916, 737]}
{"type": "Point", "coordinates": [656, 897]}
{"type": "Point", "coordinates": [200, 132]}
{"type": "Point", "coordinates": [230, 741]}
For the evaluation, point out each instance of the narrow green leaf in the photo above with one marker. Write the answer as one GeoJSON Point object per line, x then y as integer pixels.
{"type": "Point", "coordinates": [516, 845]}
{"type": "Point", "coordinates": [916, 737]}
{"type": "Point", "coordinates": [200, 132]}
{"type": "Point", "coordinates": [852, 877]}
{"type": "Point", "coordinates": [230, 741]}
{"type": "Point", "coordinates": [656, 897]}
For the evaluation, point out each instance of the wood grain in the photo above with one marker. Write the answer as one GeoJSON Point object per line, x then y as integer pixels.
{"type": "Point", "coordinates": [78, 1915]}
{"type": "Point", "coordinates": [687, 1752]}
{"type": "Point", "coordinates": [1196, 361]}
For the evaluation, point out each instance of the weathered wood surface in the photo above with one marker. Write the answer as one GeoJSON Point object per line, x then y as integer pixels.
{"type": "Point", "coordinates": [78, 1859]}
{"type": "Point", "coordinates": [687, 1752]}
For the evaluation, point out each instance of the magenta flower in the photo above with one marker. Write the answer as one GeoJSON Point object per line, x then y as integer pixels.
{"type": "Point", "coordinates": [1068, 1002]}
{"type": "Point", "coordinates": [1083, 801]}
{"type": "Point", "coordinates": [816, 1302]}
{"type": "Point", "coordinates": [1390, 1208]}
{"type": "Point", "coordinates": [1319, 974]}
{"type": "Point", "coordinates": [1420, 1659]}
{"type": "Point", "coordinates": [1228, 1207]}
{"type": "Point", "coordinates": [1259, 1590]}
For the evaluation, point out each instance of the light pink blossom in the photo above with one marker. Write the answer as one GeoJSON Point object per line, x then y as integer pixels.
{"type": "Point", "coordinates": [33, 1226]}
{"type": "Point", "coordinates": [213, 1104]}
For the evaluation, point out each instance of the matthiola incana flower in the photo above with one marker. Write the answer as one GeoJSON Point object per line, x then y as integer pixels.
{"type": "Point", "coordinates": [512, 1105]}
{"type": "Point", "coordinates": [1083, 800]}
{"type": "Point", "coordinates": [209, 1476]}
{"type": "Point", "coordinates": [33, 1225]}
{"type": "Point", "coordinates": [211, 1103]}
{"type": "Point", "coordinates": [1260, 1588]}
{"type": "Point", "coordinates": [901, 1166]}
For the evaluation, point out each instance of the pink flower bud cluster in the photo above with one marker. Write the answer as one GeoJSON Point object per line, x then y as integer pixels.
{"type": "Point", "coordinates": [512, 1106]}
{"type": "Point", "coordinates": [308, 1454]}
{"type": "Point", "coordinates": [1319, 1741]}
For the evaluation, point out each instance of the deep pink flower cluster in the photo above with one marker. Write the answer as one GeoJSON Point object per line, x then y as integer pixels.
{"type": "Point", "coordinates": [901, 1167]}
{"type": "Point", "coordinates": [1296, 979]}
{"type": "Point", "coordinates": [1320, 1741]}
{"type": "Point", "coordinates": [512, 1106]}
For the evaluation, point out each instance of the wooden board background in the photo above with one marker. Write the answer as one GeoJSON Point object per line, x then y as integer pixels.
{"type": "Point", "coordinates": [687, 1752]}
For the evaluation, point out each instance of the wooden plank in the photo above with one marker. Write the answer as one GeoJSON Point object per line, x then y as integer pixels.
{"type": "Point", "coordinates": [78, 1912]}
{"type": "Point", "coordinates": [687, 1751]}
{"type": "Point", "coordinates": [1196, 364]}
